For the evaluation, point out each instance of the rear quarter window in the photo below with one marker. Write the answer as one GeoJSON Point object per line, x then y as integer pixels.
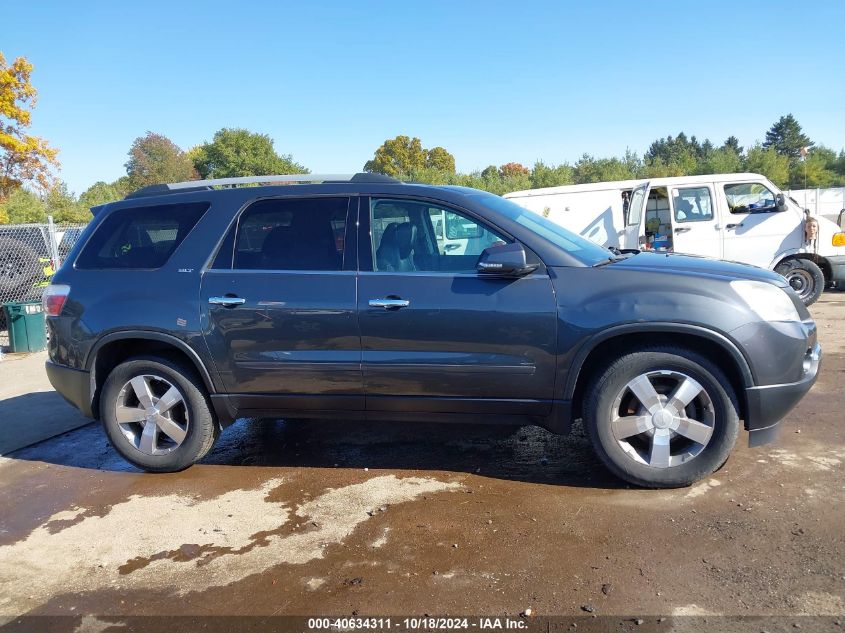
{"type": "Point", "coordinates": [140, 237]}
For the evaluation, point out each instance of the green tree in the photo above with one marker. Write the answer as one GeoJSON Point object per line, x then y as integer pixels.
{"type": "Point", "coordinates": [767, 161]}
{"type": "Point", "coordinates": [817, 169]}
{"type": "Point", "coordinates": [123, 186]}
{"type": "Point", "coordinates": [154, 158]}
{"type": "Point", "coordinates": [24, 158]}
{"type": "Point", "coordinates": [724, 160]}
{"type": "Point", "coordinates": [679, 155]}
{"type": "Point", "coordinates": [235, 152]}
{"type": "Point", "coordinates": [438, 158]}
{"type": "Point", "coordinates": [786, 137]}
{"type": "Point", "coordinates": [589, 169]}
{"type": "Point", "coordinates": [99, 193]}
{"type": "Point", "coordinates": [402, 156]}
{"type": "Point", "coordinates": [64, 207]}
{"type": "Point", "coordinates": [732, 142]}
{"type": "Point", "coordinates": [839, 167]}
{"type": "Point", "coordinates": [22, 207]}
{"type": "Point", "coordinates": [551, 175]}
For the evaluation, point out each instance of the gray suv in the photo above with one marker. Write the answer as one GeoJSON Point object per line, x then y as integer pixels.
{"type": "Point", "coordinates": [186, 306]}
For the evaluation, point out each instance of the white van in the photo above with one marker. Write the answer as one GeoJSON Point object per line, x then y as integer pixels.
{"type": "Point", "coordinates": [738, 217]}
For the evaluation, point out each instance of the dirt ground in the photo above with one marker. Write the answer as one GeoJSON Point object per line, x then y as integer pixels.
{"type": "Point", "coordinates": [317, 518]}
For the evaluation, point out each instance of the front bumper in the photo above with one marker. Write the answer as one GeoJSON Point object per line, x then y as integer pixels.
{"type": "Point", "coordinates": [74, 385]}
{"type": "Point", "coordinates": [767, 405]}
{"type": "Point", "coordinates": [837, 269]}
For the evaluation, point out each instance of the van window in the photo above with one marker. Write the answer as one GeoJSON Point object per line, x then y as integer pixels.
{"type": "Point", "coordinates": [140, 237]}
{"type": "Point", "coordinates": [291, 234]}
{"type": "Point", "coordinates": [692, 204]}
{"type": "Point", "coordinates": [636, 207]}
{"type": "Point", "coordinates": [750, 197]}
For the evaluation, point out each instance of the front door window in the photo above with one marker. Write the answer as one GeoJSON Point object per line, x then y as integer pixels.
{"type": "Point", "coordinates": [415, 236]}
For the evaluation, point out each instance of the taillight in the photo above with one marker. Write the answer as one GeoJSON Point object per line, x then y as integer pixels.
{"type": "Point", "coordinates": [53, 299]}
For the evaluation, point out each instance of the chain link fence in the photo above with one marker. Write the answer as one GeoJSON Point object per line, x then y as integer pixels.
{"type": "Point", "coordinates": [29, 255]}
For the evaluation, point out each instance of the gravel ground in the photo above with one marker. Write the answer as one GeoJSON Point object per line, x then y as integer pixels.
{"type": "Point", "coordinates": [334, 518]}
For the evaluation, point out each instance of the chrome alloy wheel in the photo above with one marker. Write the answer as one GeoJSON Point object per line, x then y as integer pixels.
{"type": "Point", "coordinates": [152, 414]}
{"type": "Point", "coordinates": [662, 418]}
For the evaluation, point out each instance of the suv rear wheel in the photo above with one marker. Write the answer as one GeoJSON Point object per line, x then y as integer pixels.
{"type": "Point", "coordinates": [661, 418]}
{"type": "Point", "coordinates": [157, 415]}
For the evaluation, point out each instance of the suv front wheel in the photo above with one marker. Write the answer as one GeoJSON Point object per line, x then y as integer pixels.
{"type": "Point", "coordinates": [157, 415]}
{"type": "Point", "coordinates": [661, 418]}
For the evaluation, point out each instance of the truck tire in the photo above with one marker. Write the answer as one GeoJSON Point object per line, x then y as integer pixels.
{"type": "Point", "coordinates": [157, 415]}
{"type": "Point", "coordinates": [662, 417]}
{"type": "Point", "coordinates": [19, 268]}
{"type": "Point", "coordinates": [805, 278]}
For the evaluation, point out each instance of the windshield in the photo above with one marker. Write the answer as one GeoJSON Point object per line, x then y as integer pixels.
{"type": "Point", "coordinates": [582, 248]}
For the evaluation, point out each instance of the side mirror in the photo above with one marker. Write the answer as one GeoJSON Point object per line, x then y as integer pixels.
{"type": "Point", "coordinates": [781, 202]}
{"type": "Point", "coordinates": [504, 260]}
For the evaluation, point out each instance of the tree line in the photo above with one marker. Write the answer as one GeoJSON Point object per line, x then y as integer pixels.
{"type": "Point", "coordinates": [30, 191]}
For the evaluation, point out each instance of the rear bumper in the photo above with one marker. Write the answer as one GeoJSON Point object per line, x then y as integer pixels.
{"type": "Point", "coordinates": [767, 405]}
{"type": "Point", "coordinates": [837, 269]}
{"type": "Point", "coordinates": [74, 385]}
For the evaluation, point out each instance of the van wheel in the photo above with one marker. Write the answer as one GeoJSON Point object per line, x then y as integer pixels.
{"type": "Point", "coordinates": [157, 415]}
{"type": "Point", "coordinates": [661, 418]}
{"type": "Point", "coordinates": [805, 278]}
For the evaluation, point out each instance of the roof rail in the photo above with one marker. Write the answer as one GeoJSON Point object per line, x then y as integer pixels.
{"type": "Point", "coordinates": [204, 185]}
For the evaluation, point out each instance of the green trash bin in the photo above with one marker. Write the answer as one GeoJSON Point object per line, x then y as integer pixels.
{"type": "Point", "coordinates": [27, 329]}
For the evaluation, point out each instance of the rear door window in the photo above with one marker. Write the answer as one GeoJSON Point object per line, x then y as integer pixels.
{"type": "Point", "coordinates": [291, 234]}
{"type": "Point", "coordinates": [140, 237]}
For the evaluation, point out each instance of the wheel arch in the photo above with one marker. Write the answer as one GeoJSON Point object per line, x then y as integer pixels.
{"type": "Point", "coordinates": [113, 349]}
{"type": "Point", "coordinates": [622, 339]}
{"type": "Point", "coordinates": [818, 260]}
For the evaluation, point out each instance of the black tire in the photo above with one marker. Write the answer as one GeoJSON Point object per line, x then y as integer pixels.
{"type": "Point", "coordinates": [19, 267]}
{"type": "Point", "coordinates": [804, 277]}
{"type": "Point", "coordinates": [202, 426]}
{"type": "Point", "coordinates": [610, 383]}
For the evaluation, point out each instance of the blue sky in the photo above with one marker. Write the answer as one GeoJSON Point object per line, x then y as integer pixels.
{"type": "Point", "coordinates": [492, 82]}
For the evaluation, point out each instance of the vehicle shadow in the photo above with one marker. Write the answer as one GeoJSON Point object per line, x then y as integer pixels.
{"type": "Point", "coordinates": [529, 453]}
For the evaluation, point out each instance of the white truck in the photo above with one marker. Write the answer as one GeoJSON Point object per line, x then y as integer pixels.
{"type": "Point", "coordinates": [738, 217]}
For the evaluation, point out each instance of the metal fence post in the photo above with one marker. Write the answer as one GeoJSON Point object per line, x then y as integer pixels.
{"type": "Point", "coordinates": [54, 243]}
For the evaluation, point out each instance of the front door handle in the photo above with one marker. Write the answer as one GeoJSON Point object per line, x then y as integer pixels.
{"type": "Point", "coordinates": [227, 302]}
{"type": "Point", "coordinates": [389, 304]}
{"type": "Point", "coordinates": [683, 229]}
{"type": "Point", "coordinates": [733, 226]}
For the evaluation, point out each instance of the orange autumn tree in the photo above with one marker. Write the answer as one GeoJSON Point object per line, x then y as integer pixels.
{"type": "Point", "coordinates": [23, 158]}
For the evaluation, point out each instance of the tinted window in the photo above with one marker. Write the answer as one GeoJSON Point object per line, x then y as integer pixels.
{"type": "Point", "coordinates": [140, 237]}
{"type": "Point", "coordinates": [750, 197]}
{"type": "Point", "coordinates": [416, 236]}
{"type": "Point", "coordinates": [292, 234]}
{"type": "Point", "coordinates": [692, 204]}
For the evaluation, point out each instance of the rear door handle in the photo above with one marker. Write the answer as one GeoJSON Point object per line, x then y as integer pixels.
{"type": "Point", "coordinates": [228, 302]}
{"type": "Point", "coordinates": [683, 229]}
{"type": "Point", "coordinates": [388, 304]}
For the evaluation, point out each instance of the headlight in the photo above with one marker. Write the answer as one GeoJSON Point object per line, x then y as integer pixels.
{"type": "Point", "coordinates": [767, 301]}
